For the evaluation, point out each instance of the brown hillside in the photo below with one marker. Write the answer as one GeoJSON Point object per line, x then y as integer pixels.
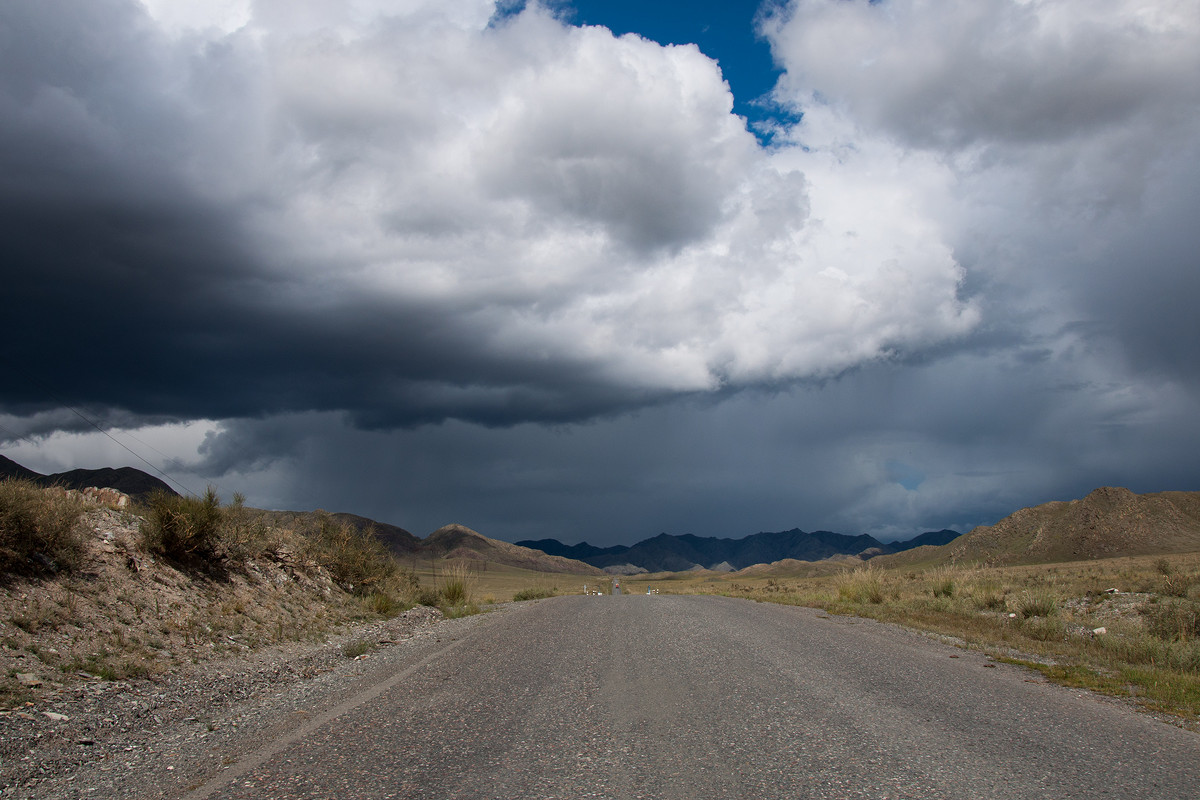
{"type": "Point", "coordinates": [459, 542]}
{"type": "Point", "coordinates": [791, 568]}
{"type": "Point", "coordinates": [1108, 523]}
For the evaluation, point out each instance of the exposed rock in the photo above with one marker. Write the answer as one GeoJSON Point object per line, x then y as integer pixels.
{"type": "Point", "coordinates": [106, 497]}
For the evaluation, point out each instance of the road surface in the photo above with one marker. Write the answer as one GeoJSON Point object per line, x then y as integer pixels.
{"type": "Point", "coordinates": [661, 696]}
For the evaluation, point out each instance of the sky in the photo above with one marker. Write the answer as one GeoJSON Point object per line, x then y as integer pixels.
{"type": "Point", "coordinates": [596, 271]}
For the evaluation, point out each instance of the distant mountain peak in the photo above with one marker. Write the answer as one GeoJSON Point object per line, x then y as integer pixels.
{"type": "Point", "coordinates": [130, 480]}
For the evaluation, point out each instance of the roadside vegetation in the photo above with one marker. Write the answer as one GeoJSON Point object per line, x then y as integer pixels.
{"type": "Point", "coordinates": [88, 590]}
{"type": "Point", "coordinates": [1127, 627]}
{"type": "Point", "coordinates": [38, 532]}
{"type": "Point", "coordinates": [535, 593]}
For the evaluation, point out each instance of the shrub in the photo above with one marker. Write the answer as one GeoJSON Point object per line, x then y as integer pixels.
{"type": "Point", "coordinates": [1176, 584]}
{"type": "Point", "coordinates": [357, 560]}
{"type": "Point", "coordinates": [243, 535]}
{"type": "Point", "coordinates": [37, 528]}
{"type": "Point", "coordinates": [184, 529]}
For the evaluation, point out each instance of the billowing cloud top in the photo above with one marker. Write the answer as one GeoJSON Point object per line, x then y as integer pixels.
{"type": "Point", "coordinates": [419, 210]}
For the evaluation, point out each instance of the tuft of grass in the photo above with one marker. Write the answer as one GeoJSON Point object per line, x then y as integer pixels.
{"type": "Point", "coordinates": [1036, 603]}
{"type": "Point", "coordinates": [456, 586]}
{"type": "Point", "coordinates": [1176, 620]}
{"type": "Point", "coordinates": [863, 585]}
{"type": "Point", "coordinates": [356, 648]}
{"type": "Point", "coordinates": [464, 610]}
{"type": "Point", "coordinates": [381, 603]}
{"type": "Point", "coordinates": [112, 666]}
{"type": "Point", "coordinates": [987, 594]}
{"type": "Point", "coordinates": [943, 584]}
{"type": "Point", "coordinates": [13, 694]}
{"type": "Point", "coordinates": [37, 529]}
{"type": "Point", "coordinates": [1045, 628]}
{"type": "Point", "coordinates": [534, 593]}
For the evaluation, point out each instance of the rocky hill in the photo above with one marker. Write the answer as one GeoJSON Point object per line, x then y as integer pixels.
{"type": "Point", "coordinates": [458, 542]}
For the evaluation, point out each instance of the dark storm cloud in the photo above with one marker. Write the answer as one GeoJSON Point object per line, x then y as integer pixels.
{"type": "Point", "coordinates": [424, 217]}
{"type": "Point", "coordinates": [889, 450]}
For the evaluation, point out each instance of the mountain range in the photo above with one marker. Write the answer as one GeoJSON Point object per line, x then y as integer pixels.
{"type": "Point", "coordinates": [133, 482]}
{"type": "Point", "coordinates": [1109, 522]}
{"type": "Point", "coordinates": [668, 553]}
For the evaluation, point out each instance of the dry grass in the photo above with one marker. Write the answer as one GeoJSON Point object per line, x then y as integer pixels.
{"type": "Point", "coordinates": [37, 529]}
{"type": "Point", "coordinates": [455, 591]}
{"type": "Point", "coordinates": [498, 582]}
{"type": "Point", "coordinates": [1142, 641]}
{"type": "Point", "coordinates": [535, 593]}
{"type": "Point", "coordinates": [128, 611]}
{"type": "Point", "coordinates": [187, 530]}
{"type": "Point", "coordinates": [358, 560]}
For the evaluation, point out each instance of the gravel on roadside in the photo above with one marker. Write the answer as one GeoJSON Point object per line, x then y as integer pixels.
{"type": "Point", "coordinates": [163, 737]}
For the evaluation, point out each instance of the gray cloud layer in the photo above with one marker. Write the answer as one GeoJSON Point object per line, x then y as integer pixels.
{"type": "Point", "coordinates": [961, 282]}
{"type": "Point", "coordinates": [420, 215]}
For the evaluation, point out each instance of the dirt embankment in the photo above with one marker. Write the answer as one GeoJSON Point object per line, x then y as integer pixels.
{"type": "Point", "coordinates": [128, 657]}
{"type": "Point", "coordinates": [125, 613]}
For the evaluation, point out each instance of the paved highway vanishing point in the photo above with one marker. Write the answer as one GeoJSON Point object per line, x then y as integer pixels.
{"type": "Point", "coordinates": [662, 696]}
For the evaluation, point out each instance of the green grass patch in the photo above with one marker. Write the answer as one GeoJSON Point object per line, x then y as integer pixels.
{"type": "Point", "coordinates": [464, 610]}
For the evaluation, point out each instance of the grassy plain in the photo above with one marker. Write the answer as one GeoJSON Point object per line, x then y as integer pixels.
{"type": "Point", "coordinates": [489, 582]}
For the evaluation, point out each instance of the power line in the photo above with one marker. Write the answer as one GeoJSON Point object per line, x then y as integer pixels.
{"type": "Point", "coordinates": [125, 447]}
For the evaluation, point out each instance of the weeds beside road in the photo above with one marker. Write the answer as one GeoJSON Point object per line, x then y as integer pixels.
{"type": "Point", "coordinates": [90, 591]}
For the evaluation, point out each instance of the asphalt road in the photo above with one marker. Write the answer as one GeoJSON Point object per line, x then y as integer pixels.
{"type": "Point", "coordinates": [660, 696]}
